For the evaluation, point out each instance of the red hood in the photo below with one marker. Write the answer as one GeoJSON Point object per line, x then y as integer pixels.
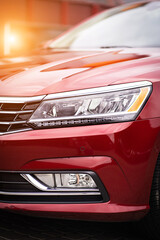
{"type": "Point", "coordinates": [69, 71]}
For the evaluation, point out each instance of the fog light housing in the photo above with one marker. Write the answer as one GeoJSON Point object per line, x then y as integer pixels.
{"type": "Point", "coordinates": [47, 179]}
{"type": "Point", "coordinates": [59, 181]}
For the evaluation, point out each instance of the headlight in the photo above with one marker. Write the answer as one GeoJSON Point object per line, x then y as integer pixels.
{"type": "Point", "coordinates": [116, 103]}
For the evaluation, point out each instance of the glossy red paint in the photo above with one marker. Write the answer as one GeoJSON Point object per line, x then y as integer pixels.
{"type": "Point", "coordinates": [123, 155]}
{"type": "Point", "coordinates": [83, 70]}
{"type": "Point", "coordinates": [93, 212]}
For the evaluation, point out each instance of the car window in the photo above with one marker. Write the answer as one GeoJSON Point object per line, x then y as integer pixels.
{"type": "Point", "coordinates": [137, 26]}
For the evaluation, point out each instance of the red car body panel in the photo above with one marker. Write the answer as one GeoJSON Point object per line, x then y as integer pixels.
{"type": "Point", "coordinates": [85, 71]}
{"type": "Point", "coordinates": [123, 159]}
{"type": "Point", "coordinates": [123, 155]}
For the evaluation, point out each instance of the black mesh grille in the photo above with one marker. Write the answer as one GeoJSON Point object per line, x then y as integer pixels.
{"type": "Point", "coordinates": [10, 182]}
{"type": "Point", "coordinates": [11, 106]}
{"type": "Point", "coordinates": [49, 199]}
{"type": "Point", "coordinates": [7, 117]}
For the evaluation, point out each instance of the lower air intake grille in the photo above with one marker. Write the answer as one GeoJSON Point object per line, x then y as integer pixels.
{"type": "Point", "coordinates": [15, 189]}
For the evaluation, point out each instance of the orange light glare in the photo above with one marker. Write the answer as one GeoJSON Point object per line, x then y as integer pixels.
{"type": "Point", "coordinates": [11, 40]}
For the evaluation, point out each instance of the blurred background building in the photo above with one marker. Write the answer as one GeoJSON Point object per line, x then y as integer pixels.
{"type": "Point", "coordinates": [24, 24]}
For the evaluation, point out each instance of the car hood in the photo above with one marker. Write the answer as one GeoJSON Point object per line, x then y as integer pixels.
{"type": "Point", "coordinates": [73, 70]}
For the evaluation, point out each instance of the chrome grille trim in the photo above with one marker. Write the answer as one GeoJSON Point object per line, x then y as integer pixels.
{"type": "Point", "coordinates": [21, 99]}
{"type": "Point", "coordinates": [56, 193]}
{"type": "Point", "coordinates": [11, 123]}
{"type": "Point", "coordinates": [17, 131]}
{"type": "Point", "coordinates": [15, 112]}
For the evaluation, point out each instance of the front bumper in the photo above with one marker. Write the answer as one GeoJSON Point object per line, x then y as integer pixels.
{"type": "Point", "coordinates": [123, 155]}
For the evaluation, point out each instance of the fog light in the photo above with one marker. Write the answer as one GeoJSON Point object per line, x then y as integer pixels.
{"type": "Point", "coordinates": [73, 180]}
{"type": "Point", "coordinates": [78, 180]}
{"type": "Point", "coordinates": [61, 181]}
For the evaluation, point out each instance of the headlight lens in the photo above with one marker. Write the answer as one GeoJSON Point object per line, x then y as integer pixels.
{"type": "Point", "coordinates": [115, 103]}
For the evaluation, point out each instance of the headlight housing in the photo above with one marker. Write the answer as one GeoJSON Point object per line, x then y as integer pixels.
{"type": "Point", "coordinates": [116, 103]}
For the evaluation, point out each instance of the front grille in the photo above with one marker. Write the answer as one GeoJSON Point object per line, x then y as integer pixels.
{"type": "Point", "coordinates": [15, 189]}
{"type": "Point", "coordinates": [15, 112]}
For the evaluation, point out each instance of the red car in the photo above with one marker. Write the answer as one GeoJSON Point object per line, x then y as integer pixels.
{"type": "Point", "coordinates": [80, 122]}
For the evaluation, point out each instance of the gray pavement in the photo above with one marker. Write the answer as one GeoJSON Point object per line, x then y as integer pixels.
{"type": "Point", "coordinates": [18, 227]}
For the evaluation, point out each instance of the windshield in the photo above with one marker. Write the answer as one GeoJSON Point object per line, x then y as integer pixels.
{"type": "Point", "coordinates": [136, 25]}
